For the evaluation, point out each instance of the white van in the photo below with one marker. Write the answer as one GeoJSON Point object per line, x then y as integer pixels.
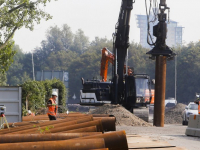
{"type": "Point", "coordinates": [170, 102]}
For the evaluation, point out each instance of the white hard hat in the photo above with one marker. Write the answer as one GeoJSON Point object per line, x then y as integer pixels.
{"type": "Point", "coordinates": [55, 93]}
{"type": "Point", "coordinates": [29, 111]}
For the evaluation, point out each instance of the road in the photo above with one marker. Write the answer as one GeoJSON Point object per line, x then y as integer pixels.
{"type": "Point", "coordinates": [174, 134]}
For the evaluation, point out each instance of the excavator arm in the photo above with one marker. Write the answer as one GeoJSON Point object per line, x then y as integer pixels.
{"type": "Point", "coordinates": [120, 46]}
{"type": "Point", "coordinates": [107, 57]}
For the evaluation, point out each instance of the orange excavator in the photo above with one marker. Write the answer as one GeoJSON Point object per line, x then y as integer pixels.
{"type": "Point", "coordinates": [132, 91]}
{"type": "Point", "coordinates": [107, 58]}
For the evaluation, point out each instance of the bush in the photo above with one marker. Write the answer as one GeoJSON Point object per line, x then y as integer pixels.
{"type": "Point", "coordinates": [37, 93]}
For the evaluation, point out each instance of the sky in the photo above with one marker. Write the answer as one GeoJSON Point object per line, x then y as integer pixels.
{"type": "Point", "coordinates": [97, 18]}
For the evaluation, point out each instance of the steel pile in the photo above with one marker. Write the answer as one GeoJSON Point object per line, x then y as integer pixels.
{"type": "Point", "coordinates": [73, 131]}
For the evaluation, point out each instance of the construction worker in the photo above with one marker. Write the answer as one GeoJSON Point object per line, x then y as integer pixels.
{"type": "Point", "coordinates": [52, 107]}
{"type": "Point", "coordinates": [197, 101]}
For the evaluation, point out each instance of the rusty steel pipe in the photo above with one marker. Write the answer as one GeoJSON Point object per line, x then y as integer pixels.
{"type": "Point", "coordinates": [14, 124]}
{"type": "Point", "coordinates": [16, 138]}
{"type": "Point", "coordinates": [160, 84]}
{"type": "Point", "coordinates": [86, 129]}
{"type": "Point", "coordinates": [96, 123]}
{"type": "Point", "coordinates": [100, 149]}
{"type": "Point", "coordinates": [56, 145]}
{"type": "Point", "coordinates": [31, 126]}
{"type": "Point", "coordinates": [108, 123]}
{"type": "Point", "coordinates": [62, 122]}
{"type": "Point", "coordinates": [102, 115]}
{"type": "Point", "coordinates": [53, 126]}
{"type": "Point", "coordinates": [45, 117]}
{"type": "Point", "coordinates": [113, 140]}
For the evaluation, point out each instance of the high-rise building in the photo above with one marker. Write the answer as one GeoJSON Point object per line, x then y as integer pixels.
{"type": "Point", "coordinates": [174, 32]}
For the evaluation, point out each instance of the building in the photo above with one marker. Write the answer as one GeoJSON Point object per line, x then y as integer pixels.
{"type": "Point", "coordinates": [174, 32]}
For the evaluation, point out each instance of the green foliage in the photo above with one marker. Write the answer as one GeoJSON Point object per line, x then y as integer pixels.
{"type": "Point", "coordinates": [24, 111]}
{"type": "Point", "coordinates": [55, 84]}
{"type": "Point", "coordinates": [33, 92]}
{"type": "Point", "coordinates": [15, 75]}
{"type": "Point", "coordinates": [46, 129]}
{"type": "Point", "coordinates": [60, 60]}
{"type": "Point", "coordinates": [6, 57]}
{"type": "Point", "coordinates": [3, 79]}
{"type": "Point", "coordinates": [81, 42]}
{"type": "Point", "coordinates": [20, 13]}
{"type": "Point", "coordinates": [37, 93]}
{"type": "Point", "coordinates": [86, 66]}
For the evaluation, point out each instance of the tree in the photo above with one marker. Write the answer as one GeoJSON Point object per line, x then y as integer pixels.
{"type": "Point", "coordinates": [14, 73]}
{"type": "Point", "coordinates": [19, 13]}
{"type": "Point", "coordinates": [6, 56]}
{"type": "Point", "coordinates": [81, 42]}
{"type": "Point", "coordinates": [3, 79]}
{"type": "Point", "coordinates": [57, 40]}
{"type": "Point", "coordinates": [33, 95]}
{"type": "Point", "coordinates": [59, 61]}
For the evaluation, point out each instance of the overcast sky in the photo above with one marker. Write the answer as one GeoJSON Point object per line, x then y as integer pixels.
{"type": "Point", "coordinates": [98, 18]}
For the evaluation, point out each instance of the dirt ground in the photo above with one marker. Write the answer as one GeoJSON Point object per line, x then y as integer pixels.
{"type": "Point", "coordinates": [174, 134]}
{"type": "Point", "coordinates": [173, 131]}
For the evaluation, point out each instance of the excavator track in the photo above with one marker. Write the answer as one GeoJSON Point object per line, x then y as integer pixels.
{"type": "Point", "coordinates": [142, 113]}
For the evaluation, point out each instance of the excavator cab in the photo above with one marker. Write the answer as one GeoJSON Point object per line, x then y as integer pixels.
{"type": "Point", "coordinates": [138, 95]}
{"type": "Point", "coordinates": [138, 90]}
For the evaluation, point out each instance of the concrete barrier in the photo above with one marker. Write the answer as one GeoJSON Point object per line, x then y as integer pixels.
{"type": "Point", "coordinates": [193, 128]}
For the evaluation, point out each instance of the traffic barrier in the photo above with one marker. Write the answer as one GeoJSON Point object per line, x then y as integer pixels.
{"type": "Point", "coordinates": [16, 138]}
{"type": "Point", "coordinates": [56, 145]}
{"type": "Point", "coordinates": [193, 128]}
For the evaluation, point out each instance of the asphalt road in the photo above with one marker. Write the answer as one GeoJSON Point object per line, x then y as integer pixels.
{"type": "Point", "coordinates": [174, 134]}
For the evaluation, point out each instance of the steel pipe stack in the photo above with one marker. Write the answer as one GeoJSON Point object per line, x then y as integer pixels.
{"type": "Point", "coordinates": [74, 131]}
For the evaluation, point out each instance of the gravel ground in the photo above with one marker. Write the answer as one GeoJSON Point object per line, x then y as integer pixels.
{"type": "Point", "coordinates": [174, 134]}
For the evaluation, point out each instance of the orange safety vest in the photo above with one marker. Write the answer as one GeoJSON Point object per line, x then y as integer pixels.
{"type": "Point", "coordinates": [199, 109]}
{"type": "Point", "coordinates": [52, 109]}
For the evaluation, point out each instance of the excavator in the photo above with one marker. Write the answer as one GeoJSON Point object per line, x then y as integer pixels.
{"type": "Point", "coordinates": [132, 91]}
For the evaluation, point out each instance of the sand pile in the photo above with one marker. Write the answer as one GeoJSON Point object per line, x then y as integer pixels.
{"type": "Point", "coordinates": [123, 116]}
{"type": "Point", "coordinates": [174, 115]}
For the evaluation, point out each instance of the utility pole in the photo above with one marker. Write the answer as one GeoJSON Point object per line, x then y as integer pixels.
{"type": "Point", "coordinates": [33, 67]}
{"type": "Point", "coordinates": [161, 52]}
